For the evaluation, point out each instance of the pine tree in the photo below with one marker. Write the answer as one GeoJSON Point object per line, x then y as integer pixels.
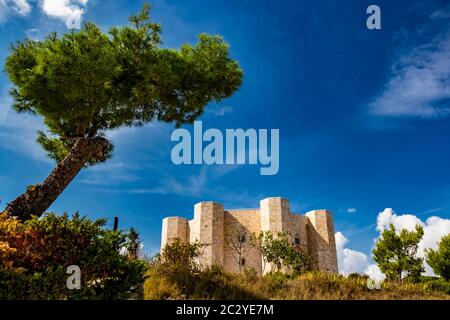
{"type": "Point", "coordinates": [439, 260]}
{"type": "Point", "coordinates": [395, 253]}
{"type": "Point", "coordinates": [84, 83]}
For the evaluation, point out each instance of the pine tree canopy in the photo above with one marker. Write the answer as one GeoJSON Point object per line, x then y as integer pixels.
{"type": "Point", "coordinates": [83, 83]}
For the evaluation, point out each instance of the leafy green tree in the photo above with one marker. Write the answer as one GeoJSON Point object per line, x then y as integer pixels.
{"type": "Point", "coordinates": [84, 83]}
{"type": "Point", "coordinates": [277, 250]}
{"type": "Point", "coordinates": [439, 260]}
{"type": "Point", "coordinates": [395, 253]}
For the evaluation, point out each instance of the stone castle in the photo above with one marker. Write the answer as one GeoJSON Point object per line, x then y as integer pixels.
{"type": "Point", "coordinates": [212, 226]}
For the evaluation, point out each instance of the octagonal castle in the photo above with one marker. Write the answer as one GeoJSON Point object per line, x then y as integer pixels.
{"type": "Point", "coordinates": [312, 232]}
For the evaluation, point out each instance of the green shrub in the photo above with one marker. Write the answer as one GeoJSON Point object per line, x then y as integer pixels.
{"type": "Point", "coordinates": [356, 275]}
{"type": "Point", "coordinates": [34, 257]}
{"type": "Point", "coordinates": [436, 284]}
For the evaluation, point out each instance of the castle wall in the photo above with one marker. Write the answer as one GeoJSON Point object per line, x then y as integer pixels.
{"type": "Point", "coordinates": [297, 227]}
{"type": "Point", "coordinates": [241, 222]}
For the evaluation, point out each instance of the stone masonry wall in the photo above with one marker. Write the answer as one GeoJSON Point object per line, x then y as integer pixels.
{"type": "Point", "coordinates": [238, 222]}
{"type": "Point", "coordinates": [321, 241]}
{"type": "Point", "coordinates": [172, 228]}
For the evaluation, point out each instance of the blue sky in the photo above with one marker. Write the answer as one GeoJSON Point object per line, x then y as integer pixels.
{"type": "Point", "coordinates": [363, 114]}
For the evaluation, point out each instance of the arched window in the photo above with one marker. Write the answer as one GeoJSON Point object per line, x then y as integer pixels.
{"type": "Point", "coordinates": [242, 261]}
{"type": "Point", "coordinates": [297, 239]}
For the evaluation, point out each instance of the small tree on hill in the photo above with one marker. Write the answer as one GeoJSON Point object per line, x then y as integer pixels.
{"type": "Point", "coordinates": [85, 83]}
{"type": "Point", "coordinates": [179, 255]}
{"type": "Point", "coordinates": [134, 244]}
{"type": "Point", "coordinates": [395, 253]}
{"type": "Point", "coordinates": [277, 250]}
{"type": "Point", "coordinates": [439, 260]}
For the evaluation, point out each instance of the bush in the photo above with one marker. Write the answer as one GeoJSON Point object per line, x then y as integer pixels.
{"type": "Point", "coordinates": [34, 257]}
{"type": "Point", "coordinates": [438, 285]}
{"type": "Point", "coordinates": [356, 275]}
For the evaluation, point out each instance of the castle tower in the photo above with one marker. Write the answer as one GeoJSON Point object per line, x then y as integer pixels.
{"type": "Point", "coordinates": [321, 241]}
{"type": "Point", "coordinates": [274, 215]}
{"type": "Point", "coordinates": [208, 229]}
{"type": "Point", "coordinates": [172, 228]}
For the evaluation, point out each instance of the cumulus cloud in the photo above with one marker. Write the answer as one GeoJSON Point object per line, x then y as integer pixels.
{"type": "Point", "coordinates": [68, 11]}
{"type": "Point", "coordinates": [419, 84]}
{"type": "Point", "coordinates": [374, 272]}
{"type": "Point", "coordinates": [405, 221]}
{"type": "Point", "coordinates": [351, 210]}
{"type": "Point", "coordinates": [350, 261]}
{"type": "Point", "coordinates": [65, 10]}
{"type": "Point", "coordinates": [8, 7]}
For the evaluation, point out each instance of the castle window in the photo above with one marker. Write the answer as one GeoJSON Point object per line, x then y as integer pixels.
{"type": "Point", "coordinates": [243, 262]}
{"type": "Point", "coordinates": [297, 239]}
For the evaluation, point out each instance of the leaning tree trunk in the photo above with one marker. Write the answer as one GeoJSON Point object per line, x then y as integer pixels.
{"type": "Point", "coordinates": [39, 197]}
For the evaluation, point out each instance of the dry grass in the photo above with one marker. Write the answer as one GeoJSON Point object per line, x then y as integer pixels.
{"type": "Point", "coordinates": [213, 283]}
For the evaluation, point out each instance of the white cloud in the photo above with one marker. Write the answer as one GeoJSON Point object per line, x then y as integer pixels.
{"type": "Point", "coordinates": [8, 7]}
{"type": "Point", "coordinates": [351, 210]}
{"type": "Point", "coordinates": [22, 7]}
{"type": "Point", "coordinates": [219, 111]}
{"type": "Point", "coordinates": [374, 272]}
{"type": "Point", "coordinates": [350, 261]}
{"type": "Point", "coordinates": [68, 11]}
{"type": "Point", "coordinates": [405, 221]}
{"type": "Point", "coordinates": [419, 84]}
{"type": "Point", "coordinates": [65, 10]}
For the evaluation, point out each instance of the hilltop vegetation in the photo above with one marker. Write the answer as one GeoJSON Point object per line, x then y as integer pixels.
{"type": "Point", "coordinates": [175, 274]}
{"type": "Point", "coordinates": [214, 283]}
